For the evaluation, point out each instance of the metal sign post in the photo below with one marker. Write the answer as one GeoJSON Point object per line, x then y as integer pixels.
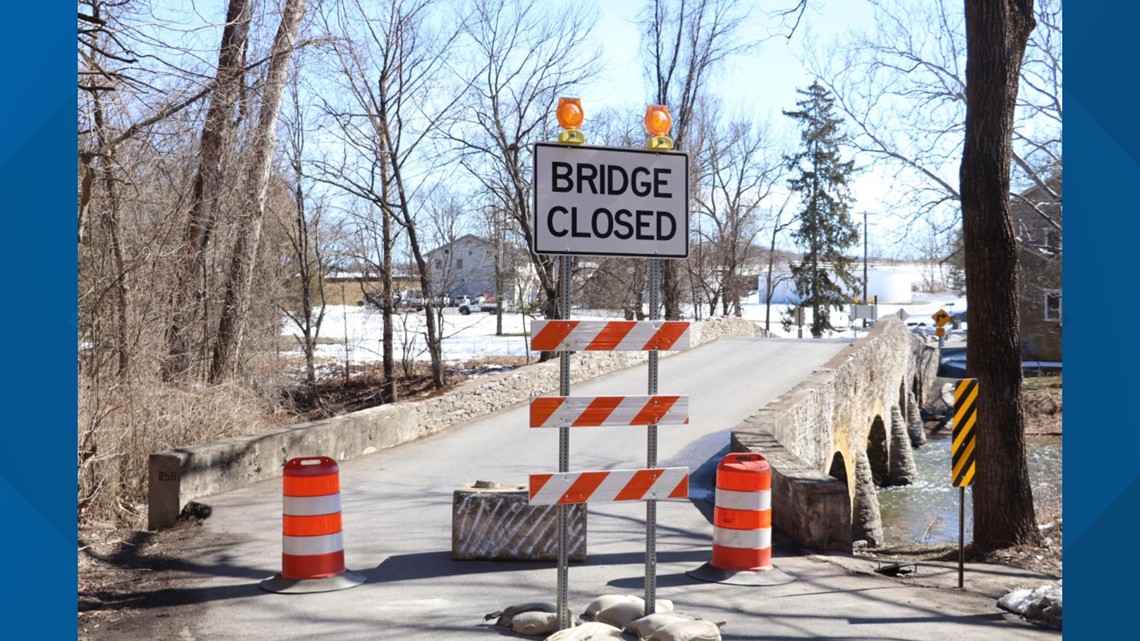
{"type": "Point", "coordinates": [564, 267]}
{"type": "Point", "coordinates": [651, 449]}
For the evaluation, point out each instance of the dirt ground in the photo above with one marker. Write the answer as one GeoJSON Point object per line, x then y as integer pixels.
{"type": "Point", "coordinates": [123, 572]}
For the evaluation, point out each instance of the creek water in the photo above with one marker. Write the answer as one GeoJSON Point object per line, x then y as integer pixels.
{"type": "Point", "coordinates": [926, 512]}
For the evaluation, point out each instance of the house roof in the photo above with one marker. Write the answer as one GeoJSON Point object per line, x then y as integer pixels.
{"type": "Point", "coordinates": [466, 238]}
{"type": "Point", "coordinates": [469, 238]}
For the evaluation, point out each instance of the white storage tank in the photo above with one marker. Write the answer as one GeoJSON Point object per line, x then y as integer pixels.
{"type": "Point", "coordinates": [784, 291]}
{"type": "Point", "coordinates": [892, 286]}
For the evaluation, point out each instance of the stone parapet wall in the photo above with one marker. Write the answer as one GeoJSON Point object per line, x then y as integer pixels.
{"type": "Point", "coordinates": [832, 409]}
{"type": "Point", "coordinates": [181, 475]}
{"type": "Point", "coordinates": [831, 412]}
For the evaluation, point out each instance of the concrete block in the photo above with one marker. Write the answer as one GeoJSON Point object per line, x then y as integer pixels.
{"type": "Point", "coordinates": [493, 522]}
{"type": "Point", "coordinates": [163, 489]}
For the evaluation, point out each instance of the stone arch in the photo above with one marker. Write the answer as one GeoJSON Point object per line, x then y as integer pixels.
{"type": "Point", "coordinates": [879, 451]}
{"type": "Point", "coordinates": [866, 522]}
{"type": "Point", "coordinates": [838, 469]}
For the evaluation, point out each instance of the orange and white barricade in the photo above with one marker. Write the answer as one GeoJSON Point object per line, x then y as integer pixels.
{"type": "Point", "coordinates": [742, 524]}
{"type": "Point", "coordinates": [610, 336]}
{"type": "Point", "coordinates": [742, 516]}
{"type": "Point", "coordinates": [608, 486]}
{"type": "Point", "coordinates": [600, 411]}
{"type": "Point", "coordinates": [312, 557]}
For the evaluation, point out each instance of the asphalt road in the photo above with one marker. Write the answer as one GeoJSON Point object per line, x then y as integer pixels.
{"type": "Point", "coordinates": [397, 527]}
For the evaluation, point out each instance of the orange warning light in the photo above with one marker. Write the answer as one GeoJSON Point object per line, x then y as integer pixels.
{"type": "Point", "coordinates": [658, 123]}
{"type": "Point", "coordinates": [570, 116]}
{"type": "Point", "coordinates": [570, 113]}
{"type": "Point", "coordinates": [657, 120]}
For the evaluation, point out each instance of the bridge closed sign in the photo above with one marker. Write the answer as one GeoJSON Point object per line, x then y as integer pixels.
{"type": "Point", "coordinates": [604, 201]}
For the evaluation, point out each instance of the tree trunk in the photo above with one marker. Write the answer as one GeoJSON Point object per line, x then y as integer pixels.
{"type": "Point", "coordinates": [110, 220]}
{"type": "Point", "coordinates": [244, 257]}
{"type": "Point", "coordinates": [216, 138]}
{"type": "Point", "coordinates": [391, 387]}
{"type": "Point", "coordinates": [996, 35]}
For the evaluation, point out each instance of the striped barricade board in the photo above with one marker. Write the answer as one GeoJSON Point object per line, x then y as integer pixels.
{"type": "Point", "coordinates": [609, 486]}
{"type": "Point", "coordinates": [962, 447]}
{"type": "Point", "coordinates": [613, 336]}
{"type": "Point", "coordinates": [601, 411]}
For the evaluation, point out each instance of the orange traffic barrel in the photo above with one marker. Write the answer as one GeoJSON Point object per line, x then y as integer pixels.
{"type": "Point", "coordinates": [742, 524]}
{"type": "Point", "coordinates": [312, 558]}
{"type": "Point", "coordinates": [742, 516]}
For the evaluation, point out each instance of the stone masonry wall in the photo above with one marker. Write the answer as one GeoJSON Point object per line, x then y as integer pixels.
{"type": "Point", "coordinates": [831, 412]}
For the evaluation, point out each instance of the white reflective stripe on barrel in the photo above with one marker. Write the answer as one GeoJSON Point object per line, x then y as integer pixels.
{"type": "Point", "coordinates": [746, 539]}
{"type": "Point", "coordinates": [312, 545]}
{"type": "Point", "coordinates": [732, 500]}
{"type": "Point", "coordinates": [311, 505]}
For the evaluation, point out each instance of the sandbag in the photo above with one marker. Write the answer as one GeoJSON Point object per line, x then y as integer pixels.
{"type": "Point", "coordinates": [622, 614]}
{"type": "Point", "coordinates": [591, 631]}
{"type": "Point", "coordinates": [534, 623]}
{"type": "Point", "coordinates": [605, 601]}
{"type": "Point", "coordinates": [687, 631]}
{"type": "Point", "coordinates": [625, 612]}
{"type": "Point", "coordinates": [645, 626]}
{"type": "Point", "coordinates": [506, 615]}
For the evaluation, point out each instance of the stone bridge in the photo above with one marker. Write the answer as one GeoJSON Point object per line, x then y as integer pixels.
{"type": "Point", "coordinates": [830, 440]}
{"type": "Point", "coordinates": [842, 432]}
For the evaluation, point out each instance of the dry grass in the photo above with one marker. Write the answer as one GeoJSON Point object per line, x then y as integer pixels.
{"type": "Point", "coordinates": [120, 427]}
{"type": "Point", "coordinates": [1041, 401]}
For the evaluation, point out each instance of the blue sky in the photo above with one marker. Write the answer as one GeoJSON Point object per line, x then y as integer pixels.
{"type": "Point", "coordinates": [760, 84]}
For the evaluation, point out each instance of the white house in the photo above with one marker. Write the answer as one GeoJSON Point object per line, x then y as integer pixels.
{"type": "Point", "coordinates": [466, 267]}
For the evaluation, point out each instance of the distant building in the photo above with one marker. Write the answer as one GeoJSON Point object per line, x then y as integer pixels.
{"type": "Point", "coordinates": [355, 286]}
{"type": "Point", "coordinates": [466, 266]}
{"type": "Point", "coordinates": [1037, 223]}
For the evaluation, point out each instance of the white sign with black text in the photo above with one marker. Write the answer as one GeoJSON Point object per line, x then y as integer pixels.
{"type": "Point", "coordinates": [603, 201]}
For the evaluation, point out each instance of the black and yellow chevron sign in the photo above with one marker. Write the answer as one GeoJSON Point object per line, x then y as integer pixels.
{"type": "Point", "coordinates": [965, 416]}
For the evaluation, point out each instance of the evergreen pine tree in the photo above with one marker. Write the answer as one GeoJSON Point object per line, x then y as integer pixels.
{"type": "Point", "coordinates": [824, 277]}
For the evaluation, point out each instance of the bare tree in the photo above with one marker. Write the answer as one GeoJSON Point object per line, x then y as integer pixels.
{"type": "Point", "coordinates": [391, 71]}
{"type": "Point", "coordinates": [101, 164]}
{"type": "Point", "coordinates": [684, 41]}
{"type": "Point", "coordinates": [522, 59]}
{"type": "Point", "coordinates": [305, 237]}
{"type": "Point", "coordinates": [244, 254]}
{"type": "Point", "coordinates": [902, 89]}
{"type": "Point", "coordinates": [772, 280]}
{"type": "Point", "coordinates": [216, 138]}
{"type": "Point", "coordinates": [996, 38]}
{"type": "Point", "coordinates": [738, 173]}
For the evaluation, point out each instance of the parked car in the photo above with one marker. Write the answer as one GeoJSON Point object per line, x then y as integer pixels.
{"type": "Point", "coordinates": [921, 329]}
{"type": "Point", "coordinates": [952, 364]}
{"type": "Point", "coordinates": [481, 303]}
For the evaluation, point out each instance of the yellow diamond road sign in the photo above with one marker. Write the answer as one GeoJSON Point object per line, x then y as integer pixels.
{"type": "Point", "coordinates": [941, 317]}
{"type": "Point", "coordinates": [962, 448]}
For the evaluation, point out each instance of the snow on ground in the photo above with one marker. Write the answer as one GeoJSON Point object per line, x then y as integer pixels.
{"type": "Point", "coordinates": [354, 333]}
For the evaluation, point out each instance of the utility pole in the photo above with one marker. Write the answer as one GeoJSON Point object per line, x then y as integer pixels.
{"type": "Point", "coordinates": [866, 300]}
